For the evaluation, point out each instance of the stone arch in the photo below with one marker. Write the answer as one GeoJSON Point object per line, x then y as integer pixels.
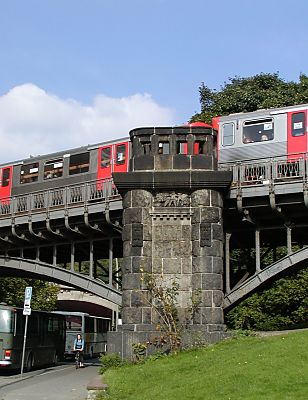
{"type": "Point", "coordinates": [264, 277]}
{"type": "Point", "coordinates": [14, 266]}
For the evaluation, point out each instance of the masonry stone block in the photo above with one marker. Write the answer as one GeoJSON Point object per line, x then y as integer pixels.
{"type": "Point", "coordinates": [162, 249]}
{"type": "Point", "coordinates": [212, 282]}
{"type": "Point", "coordinates": [147, 315]}
{"type": "Point", "coordinates": [132, 315]}
{"type": "Point", "coordinates": [140, 298]}
{"type": "Point", "coordinates": [216, 199]}
{"type": "Point", "coordinates": [206, 298]}
{"type": "Point", "coordinates": [196, 281]}
{"type": "Point", "coordinates": [157, 265]}
{"type": "Point", "coordinates": [141, 264]}
{"type": "Point", "coordinates": [186, 232]}
{"type": "Point", "coordinates": [216, 250]}
{"type": "Point", "coordinates": [210, 214]}
{"type": "Point", "coordinates": [131, 215]}
{"type": "Point", "coordinates": [205, 234]}
{"type": "Point", "coordinates": [127, 233]}
{"type": "Point", "coordinates": [127, 265]}
{"type": "Point", "coordinates": [137, 235]}
{"type": "Point", "coordinates": [218, 232]}
{"type": "Point", "coordinates": [197, 250]}
{"type": "Point", "coordinates": [217, 265]}
{"type": "Point", "coordinates": [141, 198]}
{"type": "Point", "coordinates": [127, 200]}
{"type": "Point", "coordinates": [171, 266]}
{"type": "Point", "coordinates": [196, 216]}
{"type": "Point", "coordinates": [200, 198]}
{"type": "Point", "coordinates": [147, 232]}
{"type": "Point", "coordinates": [126, 298]}
{"type": "Point", "coordinates": [195, 231]}
{"type": "Point", "coordinates": [202, 264]}
{"type": "Point", "coordinates": [218, 298]}
{"type": "Point", "coordinates": [127, 249]}
{"type": "Point", "coordinates": [186, 264]}
{"type": "Point", "coordinates": [147, 249]}
{"type": "Point", "coordinates": [212, 315]}
{"type": "Point", "coordinates": [181, 248]}
{"type": "Point", "coordinates": [136, 251]}
{"type": "Point", "coordinates": [131, 282]}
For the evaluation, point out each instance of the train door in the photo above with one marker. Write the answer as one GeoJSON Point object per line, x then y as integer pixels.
{"type": "Point", "coordinates": [5, 183]}
{"type": "Point", "coordinates": [297, 134]}
{"type": "Point", "coordinates": [112, 158]}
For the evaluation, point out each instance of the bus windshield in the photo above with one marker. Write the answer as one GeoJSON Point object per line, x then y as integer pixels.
{"type": "Point", "coordinates": [73, 323]}
{"type": "Point", "coordinates": [6, 321]}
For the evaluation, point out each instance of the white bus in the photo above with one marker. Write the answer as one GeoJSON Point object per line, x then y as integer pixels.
{"type": "Point", "coordinates": [92, 328]}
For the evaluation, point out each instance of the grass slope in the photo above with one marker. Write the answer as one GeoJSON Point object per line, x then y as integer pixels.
{"type": "Point", "coordinates": [247, 368]}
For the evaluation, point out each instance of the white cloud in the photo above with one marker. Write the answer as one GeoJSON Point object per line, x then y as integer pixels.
{"type": "Point", "coordinates": [35, 122]}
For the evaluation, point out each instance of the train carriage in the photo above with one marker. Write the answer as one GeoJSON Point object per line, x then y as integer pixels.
{"type": "Point", "coordinates": [83, 164]}
{"type": "Point", "coordinates": [262, 134]}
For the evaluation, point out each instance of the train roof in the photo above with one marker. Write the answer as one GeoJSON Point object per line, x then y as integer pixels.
{"type": "Point", "coordinates": [264, 112]}
{"type": "Point", "coordinates": [57, 154]}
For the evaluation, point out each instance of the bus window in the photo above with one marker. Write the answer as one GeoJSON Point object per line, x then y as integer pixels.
{"type": "Point", "coordinates": [298, 124]}
{"type": "Point", "coordinates": [73, 323]}
{"type": "Point", "coordinates": [79, 163]}
{"type": "Point", "coordinates": [6, 321]}
{"type": "Point", "coordinates": [89, 324]}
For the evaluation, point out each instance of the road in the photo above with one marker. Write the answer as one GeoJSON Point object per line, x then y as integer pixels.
{"type": "Point", "coordinates": [63, 382]}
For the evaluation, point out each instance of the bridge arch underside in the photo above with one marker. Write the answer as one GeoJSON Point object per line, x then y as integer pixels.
{"type": "Point", "coordinates": [19, 267]}
{"type": "Point", "coordinates": [265, 277]}
{"type": "Point", "coordinates": [266, 236]}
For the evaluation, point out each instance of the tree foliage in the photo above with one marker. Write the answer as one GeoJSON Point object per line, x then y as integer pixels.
{"type": "Point", "coordinates": [44, 294]}
{"type": "Point", "coordinates": [284, 305]}
{"type": "Point", "coordinates": [264, 90]}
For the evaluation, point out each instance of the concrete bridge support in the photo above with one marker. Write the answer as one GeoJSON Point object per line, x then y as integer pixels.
{"type": "Point", "coordinates": [172, 230]}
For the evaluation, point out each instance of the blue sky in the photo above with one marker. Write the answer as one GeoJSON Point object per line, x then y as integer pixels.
{"type": "Point", "coordinates": [83, 71]}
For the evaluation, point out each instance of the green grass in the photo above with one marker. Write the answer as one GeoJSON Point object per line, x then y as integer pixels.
{"type": "Point", "coordinates": [247, 368]}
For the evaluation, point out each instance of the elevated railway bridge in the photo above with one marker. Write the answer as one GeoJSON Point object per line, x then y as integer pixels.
{"type": "Point", "coordinates": [72, 235]}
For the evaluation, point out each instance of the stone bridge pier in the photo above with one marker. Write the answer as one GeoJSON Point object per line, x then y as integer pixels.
{"type": "Point", "coordinates": [172, 201]}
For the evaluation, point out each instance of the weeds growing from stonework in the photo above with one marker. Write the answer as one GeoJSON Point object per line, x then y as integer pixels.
{"type": "Point", "coordinates": [163, 298]}
{"type": "Point", "coordinates": [246, 368]}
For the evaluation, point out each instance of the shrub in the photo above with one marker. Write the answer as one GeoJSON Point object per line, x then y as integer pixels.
{"type": "Point", "coordinates": [112, 360]}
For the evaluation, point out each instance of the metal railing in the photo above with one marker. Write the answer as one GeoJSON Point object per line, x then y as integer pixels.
{"type": "Point", "coordinates": [67, 196]}
{"type": "Point", "coordinates": [270, 170]}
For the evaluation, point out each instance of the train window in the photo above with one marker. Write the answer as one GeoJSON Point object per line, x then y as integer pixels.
{"type": "Point", "coordinates": [79, 163]}
{"type": "Point", "coordinates": [106, 157]}
{"type": "Point", "coordinates": [29, 173]}
{"type": "Point", "coordinates": [163, 148]}
{"type": "Point", "coordinates": [228, 134]}
{"type": "Point", "coordinates": [53, 169]}
{"type": "Point", "coordinates": [120, 154]}
{"type": "Point", "coordinates": [298, 124]}
{"type": "Point", "coordinates": [6, 175]}
{"type": "Point", "coordinates": [181, 148]}
{"type": "Point", "coordinates": [258, 130]}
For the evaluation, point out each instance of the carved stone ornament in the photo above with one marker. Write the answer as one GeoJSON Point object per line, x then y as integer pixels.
{"type": "Point", "coordinates": [172, 200]}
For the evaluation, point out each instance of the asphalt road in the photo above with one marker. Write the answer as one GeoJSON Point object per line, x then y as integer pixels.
{"type": "Point", "coordinates": [63, 382]}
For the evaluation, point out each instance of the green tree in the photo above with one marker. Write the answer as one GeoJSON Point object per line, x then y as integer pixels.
{"type": "Point", "coordinates": [264, 90]}
{"type": "Point", "coordinates": [283, 305]}
{"type": "Point", "coordinates": [44, 294]}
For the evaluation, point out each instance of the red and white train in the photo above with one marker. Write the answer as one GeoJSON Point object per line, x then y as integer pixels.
{"type": "Point", "coordinates": [243, 136]}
